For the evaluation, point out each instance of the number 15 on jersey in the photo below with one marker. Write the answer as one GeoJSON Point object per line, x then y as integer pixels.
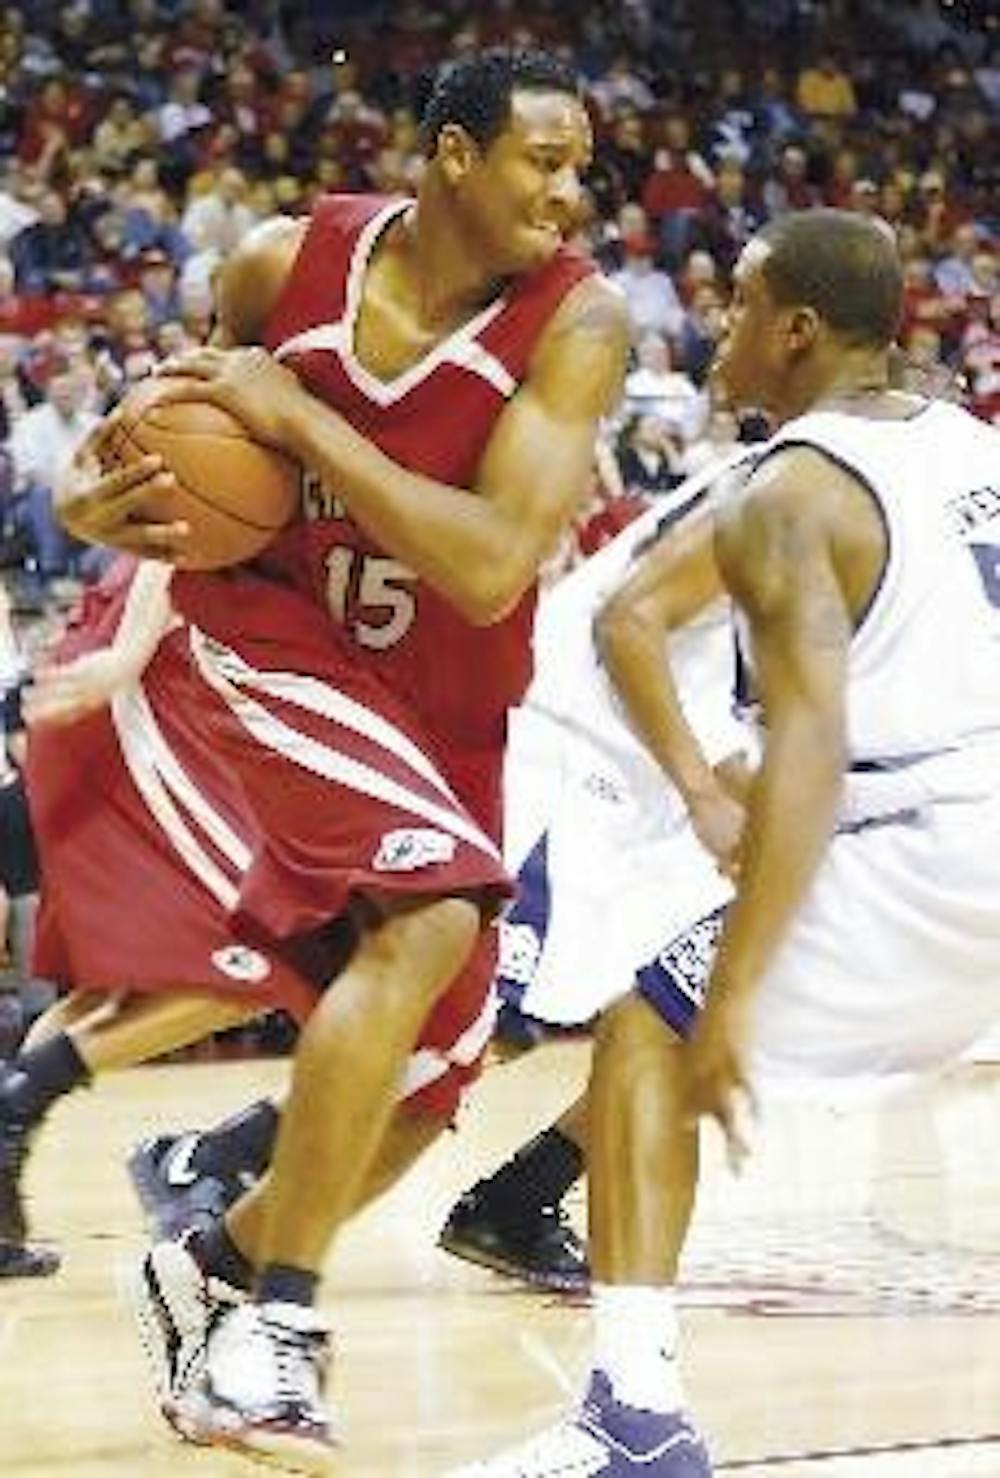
{"type": "Point", "coordinates": [371, 596]}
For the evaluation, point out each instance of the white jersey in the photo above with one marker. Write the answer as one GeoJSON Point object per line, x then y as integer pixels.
{"type": "Point", "coordinates": [923, 686]}
{"type": "Point", "coordinates": [570, 684]}
{"type": "Point", "coordinates": [606, 860]}
{"type": "Point", "coordinates": [923, 676]}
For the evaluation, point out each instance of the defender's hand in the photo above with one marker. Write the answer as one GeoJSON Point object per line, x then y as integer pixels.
{"type": "Point", "coordinates": [718, 1083]}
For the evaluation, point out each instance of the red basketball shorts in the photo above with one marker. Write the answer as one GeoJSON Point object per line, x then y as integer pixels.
{"type": "Point", "coordinates": [206, 832]}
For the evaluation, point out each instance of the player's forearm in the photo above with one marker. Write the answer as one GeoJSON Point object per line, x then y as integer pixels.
{"type": "Point", "coordinates": [790, 819]}
{"type": "Point", "coordinates": [462, 545]}
{"type": "Point", "coordinates": [637, 665]}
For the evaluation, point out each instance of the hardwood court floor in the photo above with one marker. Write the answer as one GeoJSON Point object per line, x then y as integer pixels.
{"type": "Point", "coordinates": [844, 1296]}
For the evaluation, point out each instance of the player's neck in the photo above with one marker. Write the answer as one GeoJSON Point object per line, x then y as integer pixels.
{"type": "Point", "coordinates": [452, 279]}
{"type": "Point", "coordinates": [851, 382]}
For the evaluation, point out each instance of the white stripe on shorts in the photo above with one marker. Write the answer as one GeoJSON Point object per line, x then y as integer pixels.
{"type": "Point", "coordinates": [428, 1064]}
{"type": "Point", "coordinates": [155, 771]}
{"type": "Point", "coordinates": [319, 698]}
{"type": "Point", "coordinates": [226, 678]}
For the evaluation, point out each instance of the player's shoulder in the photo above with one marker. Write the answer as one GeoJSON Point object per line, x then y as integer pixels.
{"type": "Point", "coordinates": [583, 350]}
{"type": "Point", "coordinates": [254, 276]}
{"type": "Point", "coordinates": [276, 239]}
{"type": "Point", "coordinates": [593, 305]}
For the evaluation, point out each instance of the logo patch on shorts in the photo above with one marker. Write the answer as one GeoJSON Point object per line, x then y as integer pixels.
{"type": "Point", "coordinates": [412, 847]}
{"type": "Point", "coordinates": [241, 963]}
{"type": "Point", "coordinates": [520, 951]}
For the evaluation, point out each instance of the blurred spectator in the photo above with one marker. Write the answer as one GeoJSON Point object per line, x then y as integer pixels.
{"type": "Point", "coordinates": [824, 90]}
{"type": "Point", "coordinates": [789, 187]}
{"type": "Point", "coordinates": [56, 120]}
{"type": "Point", "coordinates": [778, 119]}
{"type": "Point", "coordinates": [733, 126]}
{"type": "Point", "coordinates": [51, 254]}
{"type": "Point", "coordinates": [217, 219]}
{"type": "Point", "coordinates": [623, 156]}
{"type": "Point", "coordinates": [158, 283]}
{"type": "Point", "coordinates": [980, 357]}
{"type": "Point", "coordinates": [15, 396]}
{"type": "Point", "coordinates": [701, 330]}
{"type": "Point", "coordinates": [953, 274]}
{"type": "Point", "coordinates": [120, 136]}
{"type": "Point", "coordinates": [936, 214]}
{"type": "Point", "coordinates": [726, 223]}
{"type": "Point", "coordinates": [18, 861]}
{"type": "Point", "coordinates": [718, 440]}
{"type": "Point", "coordinates": [679, 186]}
{"type": "Point", "coordinates": [620, 87]}
{"type": "Point", "coordinates": [655, 387]}
{"type": "Point", "coordinates": [649, 455]}
{"type": "Point", "coordinates": [864, 197]}
{"type": "Point", "coordinates": [652, 298]}
{"type": "Point", "coordinates": [42, 444]}
{"type": "Point", "coordinates": [19, 195]}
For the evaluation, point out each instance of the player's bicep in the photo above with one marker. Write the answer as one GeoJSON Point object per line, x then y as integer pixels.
{"type": "Point", "coordinates": [540, 458]}
{"type": "Point", "coordinates": [777, 557]}
{"type": "Point", "coordinates": [536, 469]}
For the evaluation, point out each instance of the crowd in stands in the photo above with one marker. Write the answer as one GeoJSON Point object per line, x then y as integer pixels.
{"type": "Point", "coordinates": [140, 142]}
{"type": "Point", "coordinates": [141, 139]}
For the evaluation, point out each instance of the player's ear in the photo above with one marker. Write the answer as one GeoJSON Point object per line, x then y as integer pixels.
{"type": "Point", "coordinates": [803, 328]}
{"type": "Point", "coordinates": [457, 152]}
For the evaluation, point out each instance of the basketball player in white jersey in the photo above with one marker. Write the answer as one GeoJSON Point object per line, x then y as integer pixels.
{"type": "Point", "coordinates": [863, 554]}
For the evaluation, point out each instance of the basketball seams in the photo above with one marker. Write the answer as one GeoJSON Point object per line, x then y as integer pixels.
{"type": "Point", "coordinates": [129, 437]}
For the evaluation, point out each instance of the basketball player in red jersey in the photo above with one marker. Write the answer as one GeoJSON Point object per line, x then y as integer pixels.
{"type": "Point", "coordinates": [439, 367]}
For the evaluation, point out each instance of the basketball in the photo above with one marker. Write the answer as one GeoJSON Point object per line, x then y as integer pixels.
{"type": "Point", "coordinates": [235, 493]}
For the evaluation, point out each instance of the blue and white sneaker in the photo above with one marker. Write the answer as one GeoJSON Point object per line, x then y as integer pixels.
{"type": "Point", "coordinates": [604, 1439]}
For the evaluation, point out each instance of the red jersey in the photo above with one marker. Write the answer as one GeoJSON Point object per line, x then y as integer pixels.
{"type": "Point", "coordinates": [435, 419]}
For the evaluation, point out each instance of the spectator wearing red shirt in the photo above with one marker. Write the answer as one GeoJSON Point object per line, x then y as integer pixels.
{"type": "Point", "coordinates": [56, 120]}
{"type": "Point", "coordinates": [679, 186]}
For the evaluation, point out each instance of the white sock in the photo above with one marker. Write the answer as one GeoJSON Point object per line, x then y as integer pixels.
{"type": "Point", "coordinates": [635, 1344]}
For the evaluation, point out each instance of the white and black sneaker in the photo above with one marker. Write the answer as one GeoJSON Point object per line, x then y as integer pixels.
{"type": "Point", "coordinates": [262, 1385]}
{"type": "Point", "coordinates": [177, 1308]}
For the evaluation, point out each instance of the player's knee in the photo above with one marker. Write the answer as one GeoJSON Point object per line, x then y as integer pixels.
{"type": "Point", "coordinates": [429, 945]}
{"type": "Point", "coordinates": [632, 1028]}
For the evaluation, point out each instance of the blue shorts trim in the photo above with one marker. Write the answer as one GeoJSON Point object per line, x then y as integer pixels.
{"type": "Point", "coordinates": [525, 926]}
{"type": "Point", "coordinates": [674, 983]}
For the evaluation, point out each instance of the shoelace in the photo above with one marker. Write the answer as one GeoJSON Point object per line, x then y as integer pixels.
{"type": "Point", "coordinates": [299, 1358]}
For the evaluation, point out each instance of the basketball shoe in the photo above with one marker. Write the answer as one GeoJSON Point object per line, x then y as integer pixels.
{"type": "Point", "coordinates": [536, 1244]}
{"type": "Point", "coordinates": [605, 1439]}
{"type": "Point", "coordinates": [261, 1387]}
{"type": "Point", "coordinates": [176, 1194]}
{"type": "Point", "coordinates": [177, 1307]}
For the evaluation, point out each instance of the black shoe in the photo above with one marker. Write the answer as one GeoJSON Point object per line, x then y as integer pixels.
{"type": "Point", "coordinates": [22, 1260]}
{"type": "Point", "coordinates": [176, 1196]}
{"type": "Point", "coordinates": [539, 1247]}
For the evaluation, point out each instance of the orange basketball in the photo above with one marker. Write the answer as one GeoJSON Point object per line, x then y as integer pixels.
{"type": "Point", "coordinates": [234, 493]}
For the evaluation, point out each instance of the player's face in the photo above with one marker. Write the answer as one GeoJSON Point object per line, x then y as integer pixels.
{"type": "Point", "coordinates": [524, 195]}
{"type": "Point", "coordinates": [752, 351]}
